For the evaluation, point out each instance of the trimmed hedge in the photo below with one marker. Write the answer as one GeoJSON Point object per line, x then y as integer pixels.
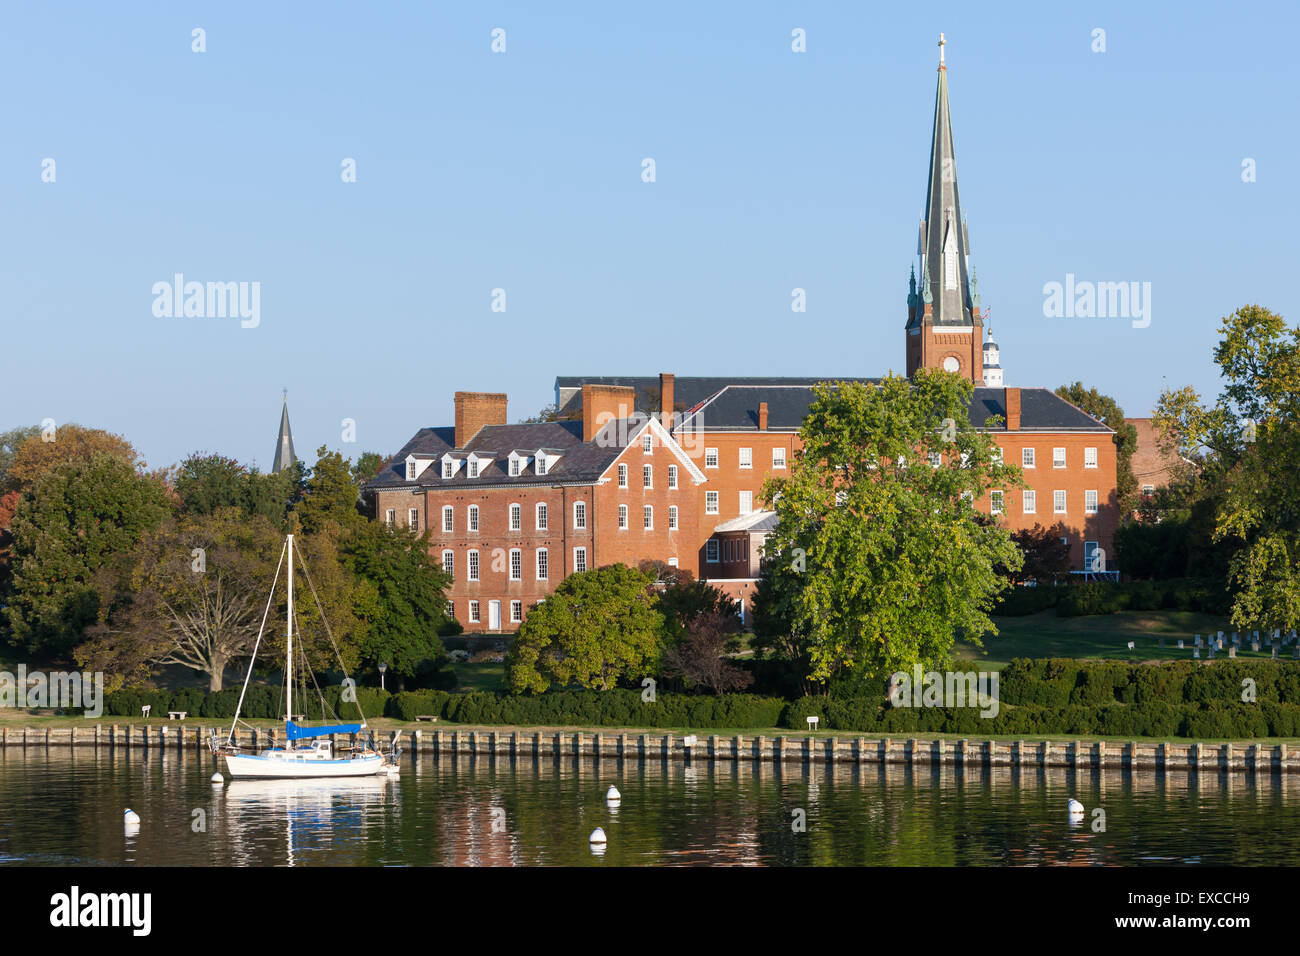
{"type": "Point", "coordinates": [1199, 699]}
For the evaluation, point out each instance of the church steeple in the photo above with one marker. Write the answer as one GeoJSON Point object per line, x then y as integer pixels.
{"type": "Point", "coordinates": [284, 457]}
{"type": "Point", "coordinates": [943, 326]}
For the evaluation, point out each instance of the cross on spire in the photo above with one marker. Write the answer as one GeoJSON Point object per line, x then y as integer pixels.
{"type": "Point", "coordinates": [942, 41]}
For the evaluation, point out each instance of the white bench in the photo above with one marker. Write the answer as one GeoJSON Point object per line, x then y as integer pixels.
{"type": "Point", "coordinates": [176, 714]}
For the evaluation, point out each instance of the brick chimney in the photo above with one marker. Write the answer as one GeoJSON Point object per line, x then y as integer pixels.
{"type": "Point", "coordinates": [476, 409]}
{"type": "Point", "coordinates": [762, 416]}
{"type": "Point", "coordinates": [1013, 409]}
{"type": "Point", "coordinates": [600, 403]}
{"type": "Point", "coordinates": [666, 397]}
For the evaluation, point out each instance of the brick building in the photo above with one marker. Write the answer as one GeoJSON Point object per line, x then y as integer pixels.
{"type": "Point", "coordinates": [672, 467]}
{"type": "Point", "coordinates": [1153, 467]}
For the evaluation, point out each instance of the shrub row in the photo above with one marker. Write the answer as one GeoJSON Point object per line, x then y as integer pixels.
{"type": "Point", "coordinates": [260, 701]}
{"type": "Point", "coordinates": [1063, 682]}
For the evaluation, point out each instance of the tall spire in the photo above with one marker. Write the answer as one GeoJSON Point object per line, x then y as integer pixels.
{"type": "Point", "coordinates": [284, 457]}
{"type": "Point", "coordinates": [943, 243]}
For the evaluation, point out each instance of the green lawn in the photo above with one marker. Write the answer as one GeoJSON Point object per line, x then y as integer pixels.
{"type": "Point", "coordinates": [1102, 636]}
{"type": "Point", "coordinates": [485, 676]}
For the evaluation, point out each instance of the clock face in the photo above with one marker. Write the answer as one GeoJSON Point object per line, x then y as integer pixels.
{"type": "Point", "coordinates": [950, 364]}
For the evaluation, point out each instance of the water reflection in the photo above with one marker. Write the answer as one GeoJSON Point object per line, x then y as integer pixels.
{"type": "Point", "coordinates": [495, 810]}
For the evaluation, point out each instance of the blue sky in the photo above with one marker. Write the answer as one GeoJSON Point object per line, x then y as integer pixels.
{"type": "Point", "coordinates": [522, 171]}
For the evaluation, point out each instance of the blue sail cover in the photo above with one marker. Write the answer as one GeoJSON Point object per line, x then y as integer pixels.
{"type": "Point", "coordinates": [294, 732]}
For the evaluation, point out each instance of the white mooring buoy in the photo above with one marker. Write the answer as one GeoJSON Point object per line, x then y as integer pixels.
{"type": "Point", "coordinates": [130, 817]}
{"type": "Point", "coordinates": [597, 837]}
{"type": "Point", "coordinates": [217, 778]}
{"type": "Point", "coordinates": [612, 795]}
{"type": "Point", "coordinates": [1075, 808]}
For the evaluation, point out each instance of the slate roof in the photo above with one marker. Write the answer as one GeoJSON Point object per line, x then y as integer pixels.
{"type": "Point", "coordinates": [581, 462]}
{"type": "Point", "coordinates": [735, 408]}
{"type": "Point", "coordinates": [688, 390]}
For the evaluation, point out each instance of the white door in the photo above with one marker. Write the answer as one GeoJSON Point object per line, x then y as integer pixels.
{"type": "Point", "coordinates": [494, 615]}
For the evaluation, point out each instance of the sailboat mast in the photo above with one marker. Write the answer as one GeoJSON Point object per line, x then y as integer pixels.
{"type": "Point", "coordinates": [288, 670]}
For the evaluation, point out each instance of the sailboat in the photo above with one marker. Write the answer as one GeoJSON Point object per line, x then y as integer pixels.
{"type": "Point", "coordinates": [308, 751]}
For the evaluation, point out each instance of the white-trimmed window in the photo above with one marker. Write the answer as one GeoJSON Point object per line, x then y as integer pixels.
{"type": "Point", "coordinates": [1058, 501]}
{"type": "Point", "coordinates": [1027, 458]}
{"type": "Point", "coordinates": [543, 565]}
{"type": "Point", "coordinates": [514, 467]}
{"type": "Point", "coordinates": [647, 518]}
{"type": "Point", "coordinates": [579, 559]}
{"type": "Point", "coordinates": [647, 442]}
{"type": "Point", "coordinates": [410, 471]}
{"type": "Point", "coordinates": [710, 502]}
{"type": "Point", "coordinates": [451, 609]}
{"type": "Point", "coordinates": [711, 551]}
{"type": "Point", "coordinates": [1090, 458]}
{"type": "Point", "coordinates": [622, 517]}
{"type": "Point", "coordinates": [672, 476]}
{"type": "Point", "coordinates": [746, 502]}
{"type": "Point", "coordinates": [1029, 501]}
{"type": "Point", "coordinates": [516, 517]}
{"type": "Point", "coordinates": [540, 463]}
{"type": "Point", "coordinates": [516, 564]}
{"type": "Point", "coordinates": [778, 457]}
{"type": "Point", "coordinates": [580, 515]}
{"type": "Point", "coordinates": [473, 612]}
{"type": "Point", "coordinates": [710, 458]}
{"type": "Point", "coordinates": [746, 458]}
{"type": "Point", "coordinates": [647, 476]}
{"type": "Point", "coordinates": [1058, 457]}
{"type": "Point", "coordinates": [471, 518]}
{"type": "Point", "coordinates": [936, 460]}
{"type": "Point", "coordinates": [995, 502]}
{"type": "Point", "coordinates": [472, 466]}
{"type": "Point", "coordinates": [541, 516]}
{"type": "Point", "coordinates": [622, 475]}
{"type": "Point", "coordinates": [389, 517]}
{"type": "Point", "coordinates": [1146, 490]}
{"type": "Point", "coordinates": [472, 563]}
{"type": "Point", "coordinates": [997, 454]}
{"type": "Point", "coordinates": [449, 563]}
{"type": "Point", "coordinates": [448, 468]}
{"type": "Point", "coordinates": [413, 518]}
{"type": "Point", "coordinates": [516, 611]}
{"type": "Point", "coordinates": [672, 517]}
{"type": "Point", "coordinates": [1090, 502]}
{"type": "Point", "coordinates": [448, 518]}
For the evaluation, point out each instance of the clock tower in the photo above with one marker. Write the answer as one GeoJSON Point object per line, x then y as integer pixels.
{"type": "Point", "coordinates": [944, 322]}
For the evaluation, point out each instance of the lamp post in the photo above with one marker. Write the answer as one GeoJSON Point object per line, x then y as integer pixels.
{"type": "Point", "coordinates": [382, 667]}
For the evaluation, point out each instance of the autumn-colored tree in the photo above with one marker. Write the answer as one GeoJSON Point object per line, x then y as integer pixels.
{"type": "Point", "coordinates": [34, 457]}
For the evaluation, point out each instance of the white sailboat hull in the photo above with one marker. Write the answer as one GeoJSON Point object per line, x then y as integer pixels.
{"type": "Point", "coordinates": [274, 765]}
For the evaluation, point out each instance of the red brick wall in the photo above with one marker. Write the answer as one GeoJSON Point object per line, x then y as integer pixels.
{"type": "Point", "coordinates": [635, 544]}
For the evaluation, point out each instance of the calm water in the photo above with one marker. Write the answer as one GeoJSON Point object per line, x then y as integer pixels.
{"type": "Point", "coordinates": [60, 807]}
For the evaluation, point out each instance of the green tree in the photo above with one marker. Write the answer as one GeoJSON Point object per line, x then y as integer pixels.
{"type": "Point", "coordinates": [205, 483]}
{"type": "Point", "coordinates": [876, 518]}
{"type": "Point", "coordinates": [330, 494]}
{"type": "Point", "coordinates": [597, 628]}
{"type": "Point", "coordinates": [1106, 409]}
{"type": "Point", "coordinates": [401, 603]}
{"type": "Point", "coordinates": [69, 523]}
{"type": "Point", "coordinates": [192, 593]}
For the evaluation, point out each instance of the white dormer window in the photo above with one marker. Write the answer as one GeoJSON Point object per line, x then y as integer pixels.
{"type": "Point", "coordinates": [541, 463]}
{"type": "Point", "coordinates": [514, 466]}
{"type": "Point", "coordinates": [415, 466]}
{"type": "Point", "coordinates": [410, 471]}
{"type": "Point", "coordinates": [448, 468]}
{"type": "Point", "coordinates": [473, 468]}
